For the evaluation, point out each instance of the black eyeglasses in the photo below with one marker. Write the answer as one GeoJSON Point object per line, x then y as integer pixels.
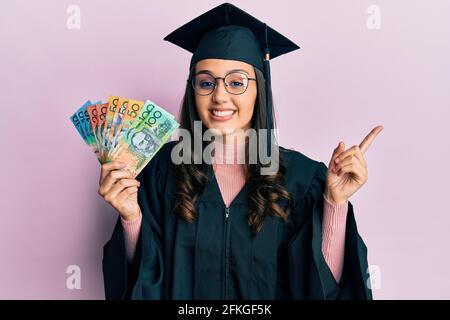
{"type": "Point", "coordinates": [235, 83]}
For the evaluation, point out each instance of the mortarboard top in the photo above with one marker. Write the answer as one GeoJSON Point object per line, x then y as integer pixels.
{"type": "Point", "coordinates": [227, 32]}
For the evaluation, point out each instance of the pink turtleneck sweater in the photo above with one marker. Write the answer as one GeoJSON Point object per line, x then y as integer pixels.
{"type": "Point", "coordinates": [229, 172]}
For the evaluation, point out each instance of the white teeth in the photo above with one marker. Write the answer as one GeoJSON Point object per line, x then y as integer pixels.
{"type": "Point", "coordinates": [223, 113]}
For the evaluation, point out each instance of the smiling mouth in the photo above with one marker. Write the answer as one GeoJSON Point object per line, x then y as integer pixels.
{"type": "Point", "coordinates": [223, 113]}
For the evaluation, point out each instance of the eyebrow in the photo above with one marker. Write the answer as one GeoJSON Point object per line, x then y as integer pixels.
{"type": "Point", "coordinates": [234, 70]}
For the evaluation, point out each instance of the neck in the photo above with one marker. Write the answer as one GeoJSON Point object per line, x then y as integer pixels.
{"type": "Point", "coordinates": [232, 152]}
{"type": "Point", "coordinates": [233, 138]}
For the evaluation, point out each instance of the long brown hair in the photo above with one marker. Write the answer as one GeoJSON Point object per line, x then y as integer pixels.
{"type": "Point", "coordinates": [264, 190]}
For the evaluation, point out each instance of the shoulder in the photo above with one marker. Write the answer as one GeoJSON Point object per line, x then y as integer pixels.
{"type": "Point", "coordinates": [303, 173]}
{"type": "Point", "coordinates": [300, 164]}
{"type": "Point", "coordinates": [159, 165]}
{"type": "Point", "coordinates": [163, 156]}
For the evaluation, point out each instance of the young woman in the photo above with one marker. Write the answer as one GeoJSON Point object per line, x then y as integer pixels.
{"type": "Point", "coordinates": [225, 230]}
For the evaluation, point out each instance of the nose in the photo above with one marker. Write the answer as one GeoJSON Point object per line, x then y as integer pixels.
{"type": "Point", "coordinates": [220, 94]}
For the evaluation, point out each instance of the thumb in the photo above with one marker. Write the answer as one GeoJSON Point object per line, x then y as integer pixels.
{"type": "Point", "coordinates": [339, 149]}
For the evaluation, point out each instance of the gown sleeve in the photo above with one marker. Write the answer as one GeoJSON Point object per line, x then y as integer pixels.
{"type": "Point", "coordinates": [309, 274]}
{"type": "Point", "coordinates": [142, 277]}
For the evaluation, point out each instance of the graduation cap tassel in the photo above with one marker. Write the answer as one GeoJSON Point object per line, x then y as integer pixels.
{"type": "Point", "coordinates": [269, 120]}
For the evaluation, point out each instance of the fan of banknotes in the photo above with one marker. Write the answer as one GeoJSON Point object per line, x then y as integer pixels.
{"type": "Point", "coordinates": [124, 130]}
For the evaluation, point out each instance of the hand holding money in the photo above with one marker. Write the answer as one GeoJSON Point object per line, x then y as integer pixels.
{"type": "Point", "coordinates": [119, 188]}
{"type": "Point", "coordinates": [125, 135]}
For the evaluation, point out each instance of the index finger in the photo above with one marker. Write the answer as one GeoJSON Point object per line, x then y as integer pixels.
{"type": "Point", "coordinates": [108, 167]}
{"type": "Point", "coordinates": [365, 144]}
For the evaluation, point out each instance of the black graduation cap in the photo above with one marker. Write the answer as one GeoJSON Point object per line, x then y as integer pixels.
{"type": "Point", "coordinates": [227, 32]}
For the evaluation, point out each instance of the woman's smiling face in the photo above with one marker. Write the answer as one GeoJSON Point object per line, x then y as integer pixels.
{"type": "Point", "coordinates": [221, 111]}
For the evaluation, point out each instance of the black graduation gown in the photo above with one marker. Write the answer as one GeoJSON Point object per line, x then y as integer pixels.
{"type": "Point", "coordinates": [217, 258]}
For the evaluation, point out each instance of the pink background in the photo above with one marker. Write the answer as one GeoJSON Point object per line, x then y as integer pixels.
{"type": "Point", "coordinates": [344, 81]}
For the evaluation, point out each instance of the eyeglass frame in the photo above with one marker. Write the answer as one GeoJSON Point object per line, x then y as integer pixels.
{"type": "Point", "coordinates": [215, 83]}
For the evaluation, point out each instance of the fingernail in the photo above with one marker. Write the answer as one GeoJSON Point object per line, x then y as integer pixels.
{"type": "Point", "coordinates": [336, 160]}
